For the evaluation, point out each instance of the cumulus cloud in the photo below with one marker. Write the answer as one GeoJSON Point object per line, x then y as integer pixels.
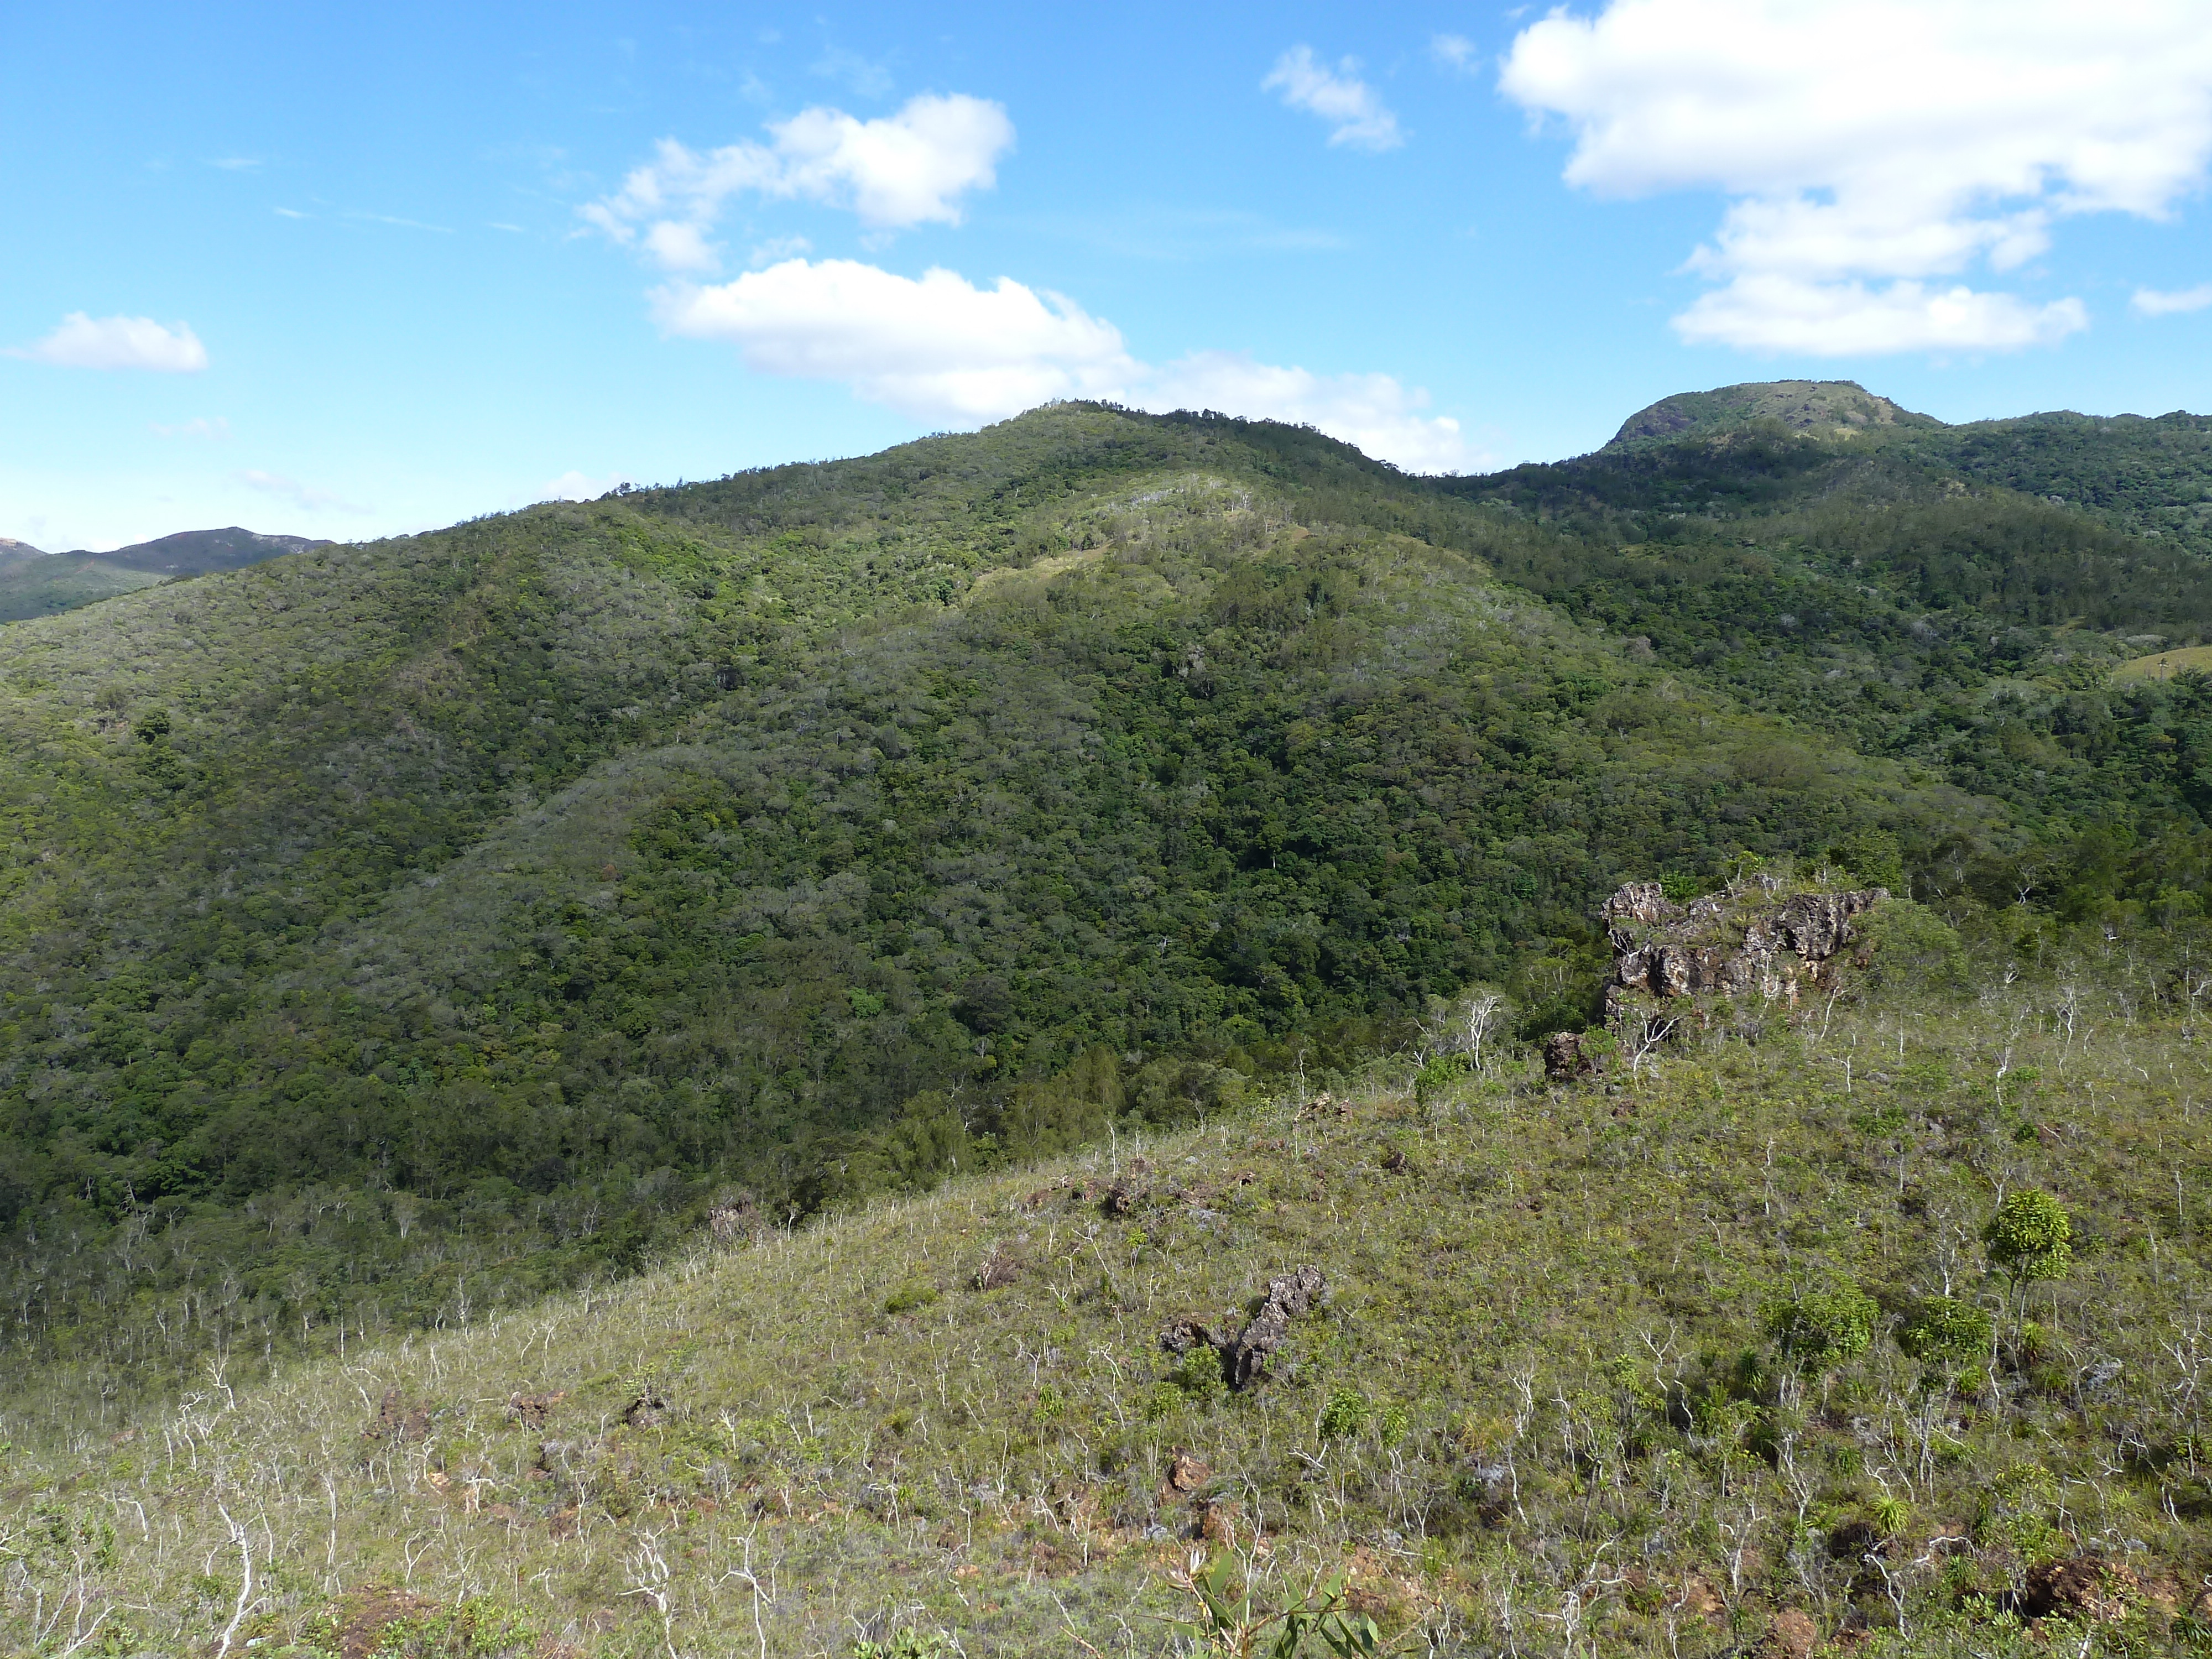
{"type": "Point", "coordinates": [1873, 148]}
{"type": "Point", "coordinates": [1774, 312]}
{"type": "Point", "coordinates": [943, 350]}
{"type": "Point", "coordinates": [1376, 413]}
{"type": "Point", "coordinates": [574, 486]}
{"type": "Point", "coordinates": [894, 172]}
{"type": "Point", "coordinates": [83, 342]}
{"type": "Point", "coordinates": [2149, 302]}
{"type": "Point", "coordinates": [936, 346]}
{"type": "Point", "coordinates": [1357, 116]}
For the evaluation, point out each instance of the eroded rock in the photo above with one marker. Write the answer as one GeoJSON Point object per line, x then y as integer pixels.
{"type": "Point", "coordinates": [396, 1419]}
{"type": "Point", "coordinates": [1567, 1056]}
{"type": "Point", "coordinates": [1287, 1297]}
{"type": "Point", "coordinates": [1730, 944]}
{"type": "Point", "coordinates": [2088, 1588]}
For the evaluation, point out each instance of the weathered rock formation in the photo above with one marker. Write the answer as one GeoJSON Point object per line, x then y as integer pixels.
{"type": "Point", "coordinates": [1744, 941]}
{"type": "Point", "coordinates": [1727, 943]}
{"type": "Point", "coordinates": [1244, 1357]}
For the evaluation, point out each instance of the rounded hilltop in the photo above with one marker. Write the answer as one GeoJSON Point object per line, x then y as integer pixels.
{"type": "Point", "coordinates": [1826, 408]}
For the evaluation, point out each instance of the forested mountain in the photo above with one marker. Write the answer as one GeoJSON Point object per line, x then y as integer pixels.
{"type": "Point", "coordinates": [399, 925]}
{"type": "Point", "coordinates": [35, 584]}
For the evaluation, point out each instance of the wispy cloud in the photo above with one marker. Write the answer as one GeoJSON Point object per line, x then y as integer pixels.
{"type": "Point", "coordinates": [1356, 116]}
{"type": "Point", "coordinates": [290, 213]}
{"type": "Point", "coordinates": [306, 497]}
{"type": "Point", "coordinates": [84, 342]}
{"type": "Point", "coordinates": [864, 77]}
{"type": "Point", "coordinates": [407, 224]}
{"type": "Point", "coordinates": [894, 172]}
{"type": "Point", "coordinates": [2150, 302]}
{"type": "Point", "coordinates": [776, 250]}
{"type": "Point", "coordinates": [1455, 52]}
{"type": "Point", "coordinates": [213, 427]}
{"type": "Point", "coordinates": [236, 163]}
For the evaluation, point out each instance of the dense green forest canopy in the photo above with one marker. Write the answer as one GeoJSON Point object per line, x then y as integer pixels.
{"type": "Point", "coordinates": [397, 927]}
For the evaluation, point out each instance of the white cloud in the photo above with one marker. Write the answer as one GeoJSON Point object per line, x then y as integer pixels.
{"type": "Point", "coordinates": [1338, 96]}
{"type": "Point", "coordinates": [203, 427]}
{"type": "Point", "coordinates": [777, 249]}
{"type": "Point", "coordinates": [1776, 312]}
{"type": "Point", "coordinates": [1874, 146]}
{"type": "Point", "coordinates": [677, 246]}
{"type": "Point", "coordinates": [1375, 412]}
{"type": "Point", "coordinates": [894, 172]}
{"type": "Point", "coordinates": [1455, 52]}
{"type": "Point", "coordinates": [936, 346]}
{"type": "Point", "coordinates": [942, 350]}
{"type": "Point", "coordinates": [83, 342]}
{"type": "Point", "coordinates": [306, 497]}
{"type": "Point", "coordinates": [2149, 302]}
{"type": "Point", "coordinates": [574, 486]}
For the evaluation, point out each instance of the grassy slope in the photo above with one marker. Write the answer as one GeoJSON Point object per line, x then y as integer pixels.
{"type": "Point", "coordinates": [1548, 1432]}
{"type": "Point", "coordinates": [2164, 664]}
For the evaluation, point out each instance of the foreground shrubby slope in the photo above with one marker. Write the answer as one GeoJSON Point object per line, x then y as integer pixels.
{"type": "Point", "coordinates": [1724, 1351]}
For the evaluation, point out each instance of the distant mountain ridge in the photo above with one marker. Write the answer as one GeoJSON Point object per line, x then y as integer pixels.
{"type": "Point", "coordinates": [34, 583]}
{"type": "Point", "coordinates": [195, 552]}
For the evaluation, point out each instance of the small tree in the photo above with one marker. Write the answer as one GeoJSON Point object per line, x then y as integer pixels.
{"type": "Point", "coordinates": [1944, 1334]}
{"type": "Point", "coordinates": [2030, 1237]}
{"type": "Point", "coordinates": [1818, 1330]}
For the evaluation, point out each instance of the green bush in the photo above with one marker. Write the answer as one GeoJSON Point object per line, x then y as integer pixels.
{"type": "Point", "coordinates": [1818, 1330]}
{"type": "Point", "coordinates": [1344, 1416]}
{"type": "Point", "coordinates": [1913, 946]}
{"type": "Point", "coordinates": [1944, 1331]}
{"type": "Point", "coordinates": [2031, 1236]}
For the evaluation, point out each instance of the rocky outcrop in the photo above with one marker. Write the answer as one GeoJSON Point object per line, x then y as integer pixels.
{"type": "Point", "coordinates": [1730, 944]}
{"type": "Point", "coordinates": [1287, 1297]}
{"type": "Point", "coordinates": [1244, 1357]}
{"type": "Point", "coordinates": [1568, 1054]}
{"type": "Point", "coordinates": [2087, 1588]}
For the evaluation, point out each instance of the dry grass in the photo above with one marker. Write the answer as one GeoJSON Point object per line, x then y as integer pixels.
{"type": "Point", "coordinates": [2164, 664]}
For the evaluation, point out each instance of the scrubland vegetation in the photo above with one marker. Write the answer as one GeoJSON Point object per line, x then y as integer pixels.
{"type": "Point", "coordinates": [1853, 1316]}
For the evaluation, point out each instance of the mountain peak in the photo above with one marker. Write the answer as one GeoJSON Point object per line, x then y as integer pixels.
{"type": "Point", "coordinates": [195, 552]}
{"type": "Point", "coordinates": [1826, 408]}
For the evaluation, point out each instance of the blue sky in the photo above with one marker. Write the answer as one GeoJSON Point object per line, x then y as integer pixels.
{"type": "Point", "coordinates": [346, 271]}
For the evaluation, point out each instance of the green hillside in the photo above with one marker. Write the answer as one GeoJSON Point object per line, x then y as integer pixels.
{"type": "Point", "coordinates": [35, 584]}
{"type": "Point", "coordinates": [423, 925]}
